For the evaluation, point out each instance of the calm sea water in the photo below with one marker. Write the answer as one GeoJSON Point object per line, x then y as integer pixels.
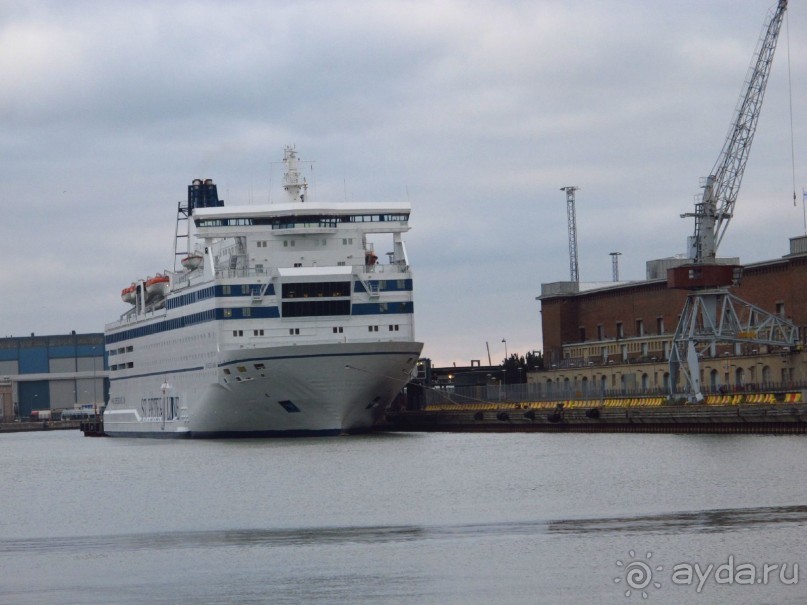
{"type": "Point", "coordinates": [403, 518]}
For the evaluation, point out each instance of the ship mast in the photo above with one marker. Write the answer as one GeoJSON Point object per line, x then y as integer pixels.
{"type": "Point", "coordinates": [294, 187]}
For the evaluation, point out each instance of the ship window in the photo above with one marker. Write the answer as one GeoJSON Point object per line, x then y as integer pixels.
{"type": "Point", "coordinates": [246, 312]}
{"type": "Point", "coordinates": [294, 331]}
{"type": "Point", "coordinates": [298, 264]}
{"type": "Point", "coordinates": [245, 289]}
{"type": "Point", "coordinates": [228, 312]}
{"type": "Point", "coordinates": [225, 290]}
{"type": "Point", "coordinates": [260, 366]}
{"type": "Point", "coordinates": [257, 332]}
{"type": "Point", "coordinates": [242, 369]}
{"type": "Point", "coordinates": [338, 330]}
{"type": "Point", "coordinates": [227, 371]}
{"type": "Point", "coordinates": [372, 328]}
{"type": "Point", "coordinates": [316, 289]}
{"type": "Point", "coordinates": [316, 308]}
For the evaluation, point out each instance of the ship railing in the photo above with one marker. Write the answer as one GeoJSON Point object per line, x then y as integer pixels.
{"type": "Point", "coordinates": [397, 267]}
{"type": "Point", "coordinates": [131, 315]}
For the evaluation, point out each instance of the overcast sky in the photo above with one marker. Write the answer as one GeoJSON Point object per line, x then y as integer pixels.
{"type": "Point", "coordinates": [477, 113]}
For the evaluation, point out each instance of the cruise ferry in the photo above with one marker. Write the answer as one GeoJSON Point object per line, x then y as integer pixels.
{"type": "Point", "coordinates": [278, 319]}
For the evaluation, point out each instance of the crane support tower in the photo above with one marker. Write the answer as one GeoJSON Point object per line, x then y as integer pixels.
{"type": "Point", "coordinates": [711, 313]}
{"type": "Point", "coordinates": [574, 269]}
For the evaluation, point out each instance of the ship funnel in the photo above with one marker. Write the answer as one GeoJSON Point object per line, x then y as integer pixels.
{"type": "Point", "coordinates": [203, 194]}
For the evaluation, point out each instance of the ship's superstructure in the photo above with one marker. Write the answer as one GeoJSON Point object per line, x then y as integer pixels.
{"type": "Point", "coordinates": [281, 321]}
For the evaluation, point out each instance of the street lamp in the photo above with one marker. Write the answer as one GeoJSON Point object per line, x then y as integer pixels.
{"type": "Point", "coordinates": [94, 388]}
{"type": "Point", "coordinates": [504, 340]}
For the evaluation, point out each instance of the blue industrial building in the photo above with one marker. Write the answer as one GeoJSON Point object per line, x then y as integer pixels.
{"type": "Point", "coordinates": [52, 373]}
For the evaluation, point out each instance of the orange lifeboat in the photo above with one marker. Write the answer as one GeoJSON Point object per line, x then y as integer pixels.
{"type": "Point", "coordinates": [157, 287]}
{"type": "Point", "coordinates": [128, 294]}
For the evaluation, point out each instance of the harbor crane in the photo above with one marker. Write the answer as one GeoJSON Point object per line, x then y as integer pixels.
{"type": "Point", "coordinates": [711, 314]}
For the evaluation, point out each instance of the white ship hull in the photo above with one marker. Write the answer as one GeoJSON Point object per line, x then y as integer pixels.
{"type": "Point", "coordinates": [281, 321]}
{"type": "Point", "coordinates": [280, 391]}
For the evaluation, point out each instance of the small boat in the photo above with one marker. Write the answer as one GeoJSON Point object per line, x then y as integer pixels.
{"type": "Point", "coordinates": [157, 287]}
{"type": "Point", "coordinates": [128, 294]}
{"type": "Point", "coordinates": [192, 262]}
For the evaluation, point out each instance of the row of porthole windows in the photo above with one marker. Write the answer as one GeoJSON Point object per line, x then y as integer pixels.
{"type": "Point", "coordinates": [239, 333]}
{"type": "Point", "coordinates": [336, 330]}
{"type": "Point", "coordinates": [121, 366]}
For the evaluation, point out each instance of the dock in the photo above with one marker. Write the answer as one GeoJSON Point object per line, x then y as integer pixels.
{"type": "Point", "coordinates": [769, 413]}
{"type": "Point", "coordinates": [38, 425]}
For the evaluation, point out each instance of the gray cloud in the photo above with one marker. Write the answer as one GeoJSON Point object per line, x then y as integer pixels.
{"type": "Point", "coordinates": [477, 112]}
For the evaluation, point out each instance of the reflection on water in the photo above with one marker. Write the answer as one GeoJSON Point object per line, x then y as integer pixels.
{"type": "Point", "coordinates": [709, 521]}
{"type": "Point", "coordinates": [712, 521]}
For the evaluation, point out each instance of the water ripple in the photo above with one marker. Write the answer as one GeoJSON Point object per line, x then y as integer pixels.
{"type": "Point", "coordinates": [712, 521]}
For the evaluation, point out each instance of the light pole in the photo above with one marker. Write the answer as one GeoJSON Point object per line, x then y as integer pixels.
{"type": "Point", "coordinates": [94, 388]}
{"type": "Point", "coordinates": [504, 340]}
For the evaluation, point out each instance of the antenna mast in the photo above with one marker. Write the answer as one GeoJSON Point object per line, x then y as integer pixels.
{"type": "Point", "coordinates": [570, 214]}
{"type": "Point", "coordinates": [615, 264]}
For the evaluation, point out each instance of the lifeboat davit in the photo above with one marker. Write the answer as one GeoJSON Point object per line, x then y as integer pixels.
{"type": "Point", "coordinates": [128, 294]}
{"type": "Point", "coordinates": [157, 287]}
{"type": "Point", "coordinates": [192, 261]}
